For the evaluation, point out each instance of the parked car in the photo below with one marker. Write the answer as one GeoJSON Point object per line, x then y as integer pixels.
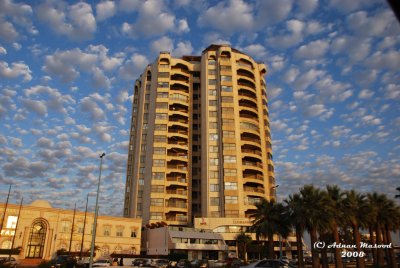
{"type": "Point", "coordinates": [199, 263]}
{"type": "Point", "coordinates": [63, 261]}
{"type": "Point", "coordinates": [9, 262]}
{"type": "Point", "coordinates": [183, 264]}
{"type": "Point", "coordinates": [160, 263]}
{"type": "Point", "coordinates": [142, 262]}
{"type": "Point", "coordinates": [83, 262]}
{"type": "Point", "coordinates": [102, 263]}
{"type": "Point", "coordinates": [275, 263]}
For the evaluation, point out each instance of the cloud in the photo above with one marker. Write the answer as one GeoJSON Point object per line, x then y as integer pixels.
{"type": "Point", "coordinates": [304, 80]}
{"type": "Point", "coordinates": [392, 92]}
{"type": "Point", "coordinates": [68, 64]}
{"type": "Point", "coordinates": [379, 24]}
{"type": "Point", "coordinates": [88, 105]}
{"type": "Point", "coordinates": [365, 94]}
{"type": "Point", "coordinates": [39, 107]}
{"type": "Point", "coordinates": [162, 44]}
{"type": "Point", "coordinates": [19, 14]}
{"type": "Point", "coordinates": [77, 21]}
{"type": "Point", "coordinates": [307, 7]}
{"type": "Point", "coordinates": [271, 11]}
{"type": "Point", "coordinates": [183, 49]}
{"type": "Point", "coordinates": [385, 60]}
{"type": "Point", "coordinates": [257, 51]}
{"type": "Point", "coordinates": [17, 69]}
{"type": "Point", "coordinates": [133, 67]}
{"type": "Point", "coordinates": [312, 50]}
{"type": "Point", "coordinates": [105, 10]}
{"type": "Point", "coordinates": [229, 16]}
{"type": "Point", "coordinates": [153, 19]}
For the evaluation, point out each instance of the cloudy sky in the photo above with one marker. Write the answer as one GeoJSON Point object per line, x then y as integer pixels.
{"type": "Point", "coordinates": [67, 70]}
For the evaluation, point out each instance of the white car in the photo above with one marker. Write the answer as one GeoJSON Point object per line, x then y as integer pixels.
{"type": "Point", "coordinates": [102, 263]}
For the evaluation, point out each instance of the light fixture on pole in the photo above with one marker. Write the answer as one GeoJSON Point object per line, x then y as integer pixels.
{"type": "Point", "coordinates": [96, 214]}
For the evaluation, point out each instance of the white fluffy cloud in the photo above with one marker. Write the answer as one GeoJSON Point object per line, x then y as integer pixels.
{"type": "Point", "coordinates": [17, 69]}
{"type": "Point", "coordinates": [74, 21]}
{"type": "Point", "coordinates": [229, 16]}
{"type": "Point", "coordinates": [105, 10]}
{"type": "Point", "coordinates": [312, 50]}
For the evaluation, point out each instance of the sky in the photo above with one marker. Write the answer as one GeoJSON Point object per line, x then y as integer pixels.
{"type": "Point", "coordinates": [67, 72]}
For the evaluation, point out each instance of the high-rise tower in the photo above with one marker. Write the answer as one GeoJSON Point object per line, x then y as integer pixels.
{"type": "Point", "coordinates": [200, 143]}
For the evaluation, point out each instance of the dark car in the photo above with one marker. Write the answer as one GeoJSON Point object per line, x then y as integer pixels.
{"type": "Point", "coordinates": [63, 261]}
{"type": "Point", "coordinates": [183, 264]}
{"type": "Point", "coordinates": [8, 262]}
{"type": "Point", "coordinates": [199, 263]}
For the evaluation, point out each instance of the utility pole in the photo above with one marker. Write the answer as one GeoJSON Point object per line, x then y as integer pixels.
{"type": "Point", "coordinates": [16, 226]}
{"type": "Point", "coordinates": [5, 210]}
{"type": "Point", "coordinates": [72, 231]}
{"type": "Point", "coordinates": [84, 225]}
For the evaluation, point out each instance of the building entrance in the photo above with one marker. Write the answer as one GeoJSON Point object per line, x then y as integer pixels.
{"type": "Point", "coordinates": [37, 238]}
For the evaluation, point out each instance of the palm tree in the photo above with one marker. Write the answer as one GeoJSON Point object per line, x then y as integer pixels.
{"type": "Point", "coordinates": [355, 211]}
{"type": "Point", "coordinates": [242, 240]}
{"type": "Point", "coordinates": [316, 211]}
{"type": "Point", "coordinates": [389, 215]}
{"type": "Point", "coordinates": [269, 219]}
{"type": "Point", "coordinates": [295, 209]}
{"type": "Point", "coordinates": [335, 196]}
{"type": "Point", "coordinates": [374, 224]}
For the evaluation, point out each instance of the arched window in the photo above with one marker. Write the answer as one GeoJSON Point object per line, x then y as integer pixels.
{"type": "Point", "coordinates": [37, 237]}
{"type": "Point", "coordinates": [6, 244]}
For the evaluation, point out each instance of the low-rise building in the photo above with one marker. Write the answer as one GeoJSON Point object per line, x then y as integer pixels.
{"type": "Point", "coordinates": [42, 230]}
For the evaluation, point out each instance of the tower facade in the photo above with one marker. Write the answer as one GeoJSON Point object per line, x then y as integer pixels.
{"type": "Point", "coordinates": [200, 143]}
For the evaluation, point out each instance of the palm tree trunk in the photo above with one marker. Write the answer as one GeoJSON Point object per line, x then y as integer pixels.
{"type": "Point", "coordinates": [338, 255]}
{"type": "Point", "coordinates": [372, 241]}
{"type": "Point", "coordinates": [387, 257]}
{"type": "Point", "coordinates": [391, 251]}
{"type": "Point", "coordinates": [324, 251]}
{"type": "Point", "coordinates": [357, 240]}
{"type": "Point", "coordinates": [314, 251]}
{"type": "Point", "coordinates": [299, 246]}
{"type": "Point", "coordinates": [379, 252]}
{"type": "Point", "coordinates": [271, 249]}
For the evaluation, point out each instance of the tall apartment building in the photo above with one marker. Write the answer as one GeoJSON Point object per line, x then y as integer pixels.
{"type": "Point", "coordinates": [200, 143]}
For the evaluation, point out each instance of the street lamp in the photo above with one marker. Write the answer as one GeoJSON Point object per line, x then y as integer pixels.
{"type": "Point", "coordinates": [96, 214]}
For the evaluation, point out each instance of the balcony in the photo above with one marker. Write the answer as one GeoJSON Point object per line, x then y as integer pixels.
{"type": "Point", "coordinates": [250, 137]}
{"type": "Point", "coordinates": [177, 118]}
{"type": "Point", "coordinates": [244, 82]}
{"type": "Point", "coordinates": [245, 73]}
{"type": "Point", "coordinates": [249, 149]}
{"type": "Point", "coordinates": [250, 174]}
{"type": "Point", "coordinates": [176, 107]}
{"type": "Point", "coordinates": [248, 115]}
{"type": "Point", "coordinates": [181, 88]}
{"type": "Point", "coordinates": [177, 129]}
{"type": "Point", "coordinates": [176, 177]}
{"type": "Point", "coordinates": [180, 192]}
{"type": "Point", "coordinates": [248, 104]}
{"type": "Point", "coordinates": [247, 93]}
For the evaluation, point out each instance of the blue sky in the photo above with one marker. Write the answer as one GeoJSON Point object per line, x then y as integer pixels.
{"type": "Point", "coordinates": [67, 70]}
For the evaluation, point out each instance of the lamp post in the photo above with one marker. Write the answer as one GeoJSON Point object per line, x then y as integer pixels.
{"type": "Point", "coordinates": [96, 214]}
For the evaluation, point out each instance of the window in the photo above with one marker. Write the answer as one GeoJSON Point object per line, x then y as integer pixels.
{"type": "Point", "coordinates": [213, 149]}
{"type": "Point", "coordinates": [231, 185]}
{"type": "Point", "coordinates": [213, 161]}
{"type": "Point", "coordinates": [158, 175]}
{"type": "Point", "coordinates": [212, 113]}
{"type": "Point", "coordinates": [211, 62]}
{"type": "Point", "coordinates": [226, 78]}
{"type": "Point", "coordinates": [213, 125]}
{"type": "Point", "coordinates": [141, 181]}
{"type": "Point", "coordinates": [230, 159]}
{"type": "Point", "coordinates": [231, 199]}
{"type": "Point", "coordinates": [214, 201]}
{"type": "Point", "coordinates": [141, 170]}
{"type": "Point", "coordinates": [228, 110]}
{"type": "Point", "coordinates": [227, 99]}
{"type": "Point", "coordinates": [160, 138]}
{"type": "Point", "coordinates": [228, 134]}
{"type": "Point", "coordinates": [157, 189]}
{"type": "Point", "coordinates": [226, 88]}
{"type": "Point", "coordinates": [147, 97]}
{"type": "Point", "coordinates": [120, 231]}
{"type": "Point", "coordinates": [211, 72]}
{"type": "Point", "coordinates": [212, 81]}
{"type": "Point", "coordinates": [163, 74]}
{"type": "Point", "coordinates": [214, 187]}
{"type": "Point", "coordinates": [228, 122]}
{"type": "Point", "coordinates": [246, 125]}
{"type": "Point", "coordinates": [142, 159]}
{"type": "Point", "coordinates": [159, 150]}
{"type": "Point", "coordinates": [162, 105]}
{"type": "Point", "coordinates": [143, 147]}
{"type": "Point", "coordinates": [158, 162]}
{"type": "Point", "coordinates": [162, 94]}
{"type": "Point", "coordinates": [156, 216]}
{"type": "Point", "coordinates": [163, 84]}
{"type": "Point", "coordinates": [107, 231]}
{"type": "Point", "coordinates": [65, 226]}
{"type": "Point", "coordinates": [229, 146]}
{"type": "Point", "coordinates": [133, 233]}
{"type": "Point", "coordinates": [213, 137]}
{"type": "Point", "coordinates": [212, 92]}
{"type": "Point", "coordinates": [157, 202]}
{"type": "Point", "coordinates": [212, 103]}
{"type": "Point", "coordinates": [160, 127]}
{"type": "Point", "coordinates": [179, 97]}
{"type": "Point", "coordinates": [213, 175]}
{"type": "Point", "coordinates": [229, 172]}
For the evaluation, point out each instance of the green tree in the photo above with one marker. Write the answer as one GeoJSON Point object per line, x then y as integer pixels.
{"type": "Point", "coordinates": [242, 240]}
{"type": "Point", "coordinates": [270, 218]}
{"type": "Point", "coordinates": [316, 212]}
{"type": "Point", "coordinates": [295, 210]}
